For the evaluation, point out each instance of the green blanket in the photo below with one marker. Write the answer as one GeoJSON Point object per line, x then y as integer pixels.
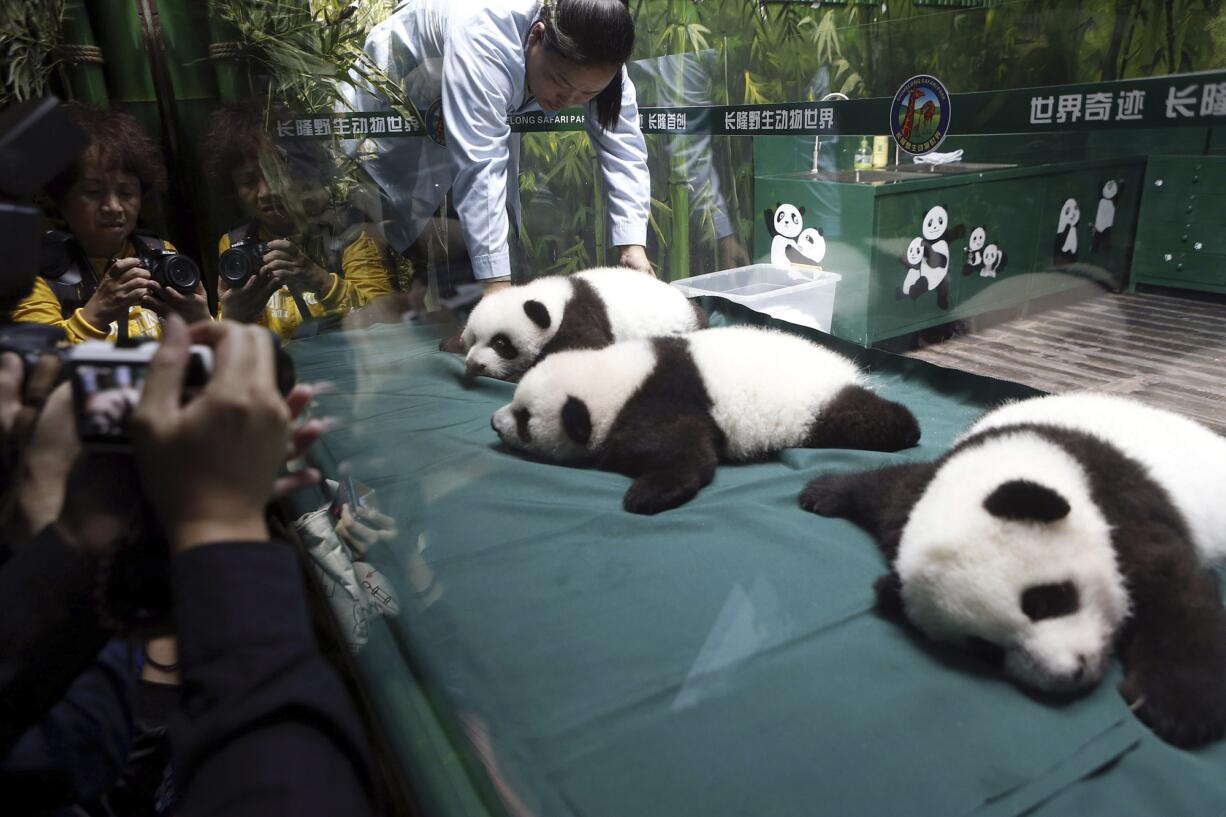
{"type": "Point", "coordinates": [557, 655]}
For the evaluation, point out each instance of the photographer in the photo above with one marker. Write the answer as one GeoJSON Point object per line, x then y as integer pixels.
{"type": "Point", "coordinates": [265, 724]}
{"type": "Point", "coordinates": [95, 276]}
{"type": "Point", "coordinates": [334, 261]}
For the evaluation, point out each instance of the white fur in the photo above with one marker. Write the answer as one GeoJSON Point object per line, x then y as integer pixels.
{"type": "Point", "coordinates": [638, 306]}
{"type": "Point", "coordinates": [1183, 456]}
{"type": "Point", "coordinates": [935, 222]}
{"type": "Point", "coordinates": [964, 570]}
{"type": "Point", "coordinates": [604, 379]}
{"type": "Point", "coordinates": [766, 387]}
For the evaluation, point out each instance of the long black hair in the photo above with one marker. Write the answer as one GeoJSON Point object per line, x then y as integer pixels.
{"type": "Point", "coordinates": [592, 32]}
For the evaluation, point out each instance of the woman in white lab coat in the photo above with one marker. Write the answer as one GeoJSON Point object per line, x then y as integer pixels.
{"type": "Point", "coordinates": [469, 65]}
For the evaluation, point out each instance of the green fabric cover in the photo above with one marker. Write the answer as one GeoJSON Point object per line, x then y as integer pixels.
{"type": "Point", "coordinates": [718, 659]}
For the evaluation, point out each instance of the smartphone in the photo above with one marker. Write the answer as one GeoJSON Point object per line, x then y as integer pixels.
{"type": "Point", "coordinates": [107, 383]}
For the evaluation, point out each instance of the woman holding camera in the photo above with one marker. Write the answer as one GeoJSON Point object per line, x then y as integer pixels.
{"type": "Point", "coordinates": [96, 277]}
{"type": "Point", "coordinates": [266, 275]}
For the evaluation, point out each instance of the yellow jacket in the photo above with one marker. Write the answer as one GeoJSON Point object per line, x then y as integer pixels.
{"type": "Point", "coordinates": [41, 306]}
{"type": "Point", "coordinates": [365, 277]}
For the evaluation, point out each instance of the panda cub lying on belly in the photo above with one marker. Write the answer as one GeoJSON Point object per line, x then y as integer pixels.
{"type": "Point", "coordinates": [513, 328]}
{"type": "Point", "coordinates": [1054, 532]}
{"type": "Point", "coordinates": [665, 410]}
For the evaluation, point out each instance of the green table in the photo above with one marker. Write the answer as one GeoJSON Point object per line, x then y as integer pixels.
{"type": "Point", "coordinates": [556, 655]}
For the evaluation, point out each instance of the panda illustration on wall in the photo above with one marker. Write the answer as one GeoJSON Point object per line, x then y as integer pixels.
{"type": "Point", "coordinates": [785, 223]}
{"type": "Point", "coordinates": [1104, 218]}
{"type": "Point", "coordinates": [994, 260]}
{"type": "Point", "coordinates": [934, 266]}
{"type": "Point", "coordinates": [911, 260]}
{"type": "Point", "coordinates": [1066, 233]}
{"type": "Point", "coordinates": [810, 248]}
{"type": "Point", "coordinates": [1056, 532]}
{"type": "Point", "coordinates": [974, 251]}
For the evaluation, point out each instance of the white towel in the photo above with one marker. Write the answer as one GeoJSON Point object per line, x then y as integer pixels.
{"type": "Point", "coordinates": [933, 158]}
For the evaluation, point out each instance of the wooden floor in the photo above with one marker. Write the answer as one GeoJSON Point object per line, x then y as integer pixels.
{"type": "Point", "coordinates": [1165, 348]}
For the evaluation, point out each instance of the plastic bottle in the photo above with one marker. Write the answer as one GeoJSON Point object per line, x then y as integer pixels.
{"type": "Point", "coordinates": [881, 151]}
{"type": "Point", "coordinates": [863, 159]}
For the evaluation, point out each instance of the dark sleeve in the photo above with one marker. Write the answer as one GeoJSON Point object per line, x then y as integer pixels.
{"type": "Point", "coordinates": [266, 726]}
{"type": "Point", "coordinates": [75, 754]}
{"type": "Point", "coordinates": [48, 632]}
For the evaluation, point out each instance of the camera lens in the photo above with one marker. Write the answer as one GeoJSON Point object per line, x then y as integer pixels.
{"type": "Point", "coordinates": [181, 273]}
{"type": "Point", "coordinates": [235, 265]}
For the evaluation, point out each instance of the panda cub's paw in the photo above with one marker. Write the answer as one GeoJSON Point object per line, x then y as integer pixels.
{"type": "Point", "coordinates": [658, 491]}
{"type": "Point", "coordinates": [1185, 706]}
{"type": "Point", "coordinates": [824, 495]}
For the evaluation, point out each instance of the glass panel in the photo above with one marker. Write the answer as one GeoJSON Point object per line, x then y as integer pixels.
{"type": "Point", "coordinates": [527, 645]}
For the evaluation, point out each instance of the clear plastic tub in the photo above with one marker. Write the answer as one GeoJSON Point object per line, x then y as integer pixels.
{"type": "Point", "coordinates": [800, 295]}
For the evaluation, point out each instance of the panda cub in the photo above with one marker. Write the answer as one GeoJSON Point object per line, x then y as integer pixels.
{"type": "Point", "coordinates": [511, 329]}
{"type": "Point", "coordinates": [1056, 531]}
{"type": "Point", "coordinates": [666, 410]}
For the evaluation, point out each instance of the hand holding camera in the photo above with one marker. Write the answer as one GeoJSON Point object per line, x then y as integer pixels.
{"type": "Point", "coordinates": [124, 284]}
{"type": "Point", "coordinates": [208, 464]}
{"type": "Point", "coordinates": [291, 265]}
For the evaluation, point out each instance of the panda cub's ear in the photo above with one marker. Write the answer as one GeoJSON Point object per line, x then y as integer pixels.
{"type": "Point", "coordinates": [1021, 500]}
{"type": "Point", "coordinates": [576, 420]}
{"type": "Point", "coordinates": [537, 313]}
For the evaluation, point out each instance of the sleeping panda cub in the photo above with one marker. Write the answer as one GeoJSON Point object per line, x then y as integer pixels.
{"type": "Point", "coordinates": [511, 329]}
{"type": "Point", "coordinates": [666, 410]}
{"type": "Point", "coordinates": [1055, 532]}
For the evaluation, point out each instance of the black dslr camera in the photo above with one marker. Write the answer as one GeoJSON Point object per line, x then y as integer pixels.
{"type": "Point", "coordinates": [241, 261]}
{"type": "Point", "coordinates": [168, 268]}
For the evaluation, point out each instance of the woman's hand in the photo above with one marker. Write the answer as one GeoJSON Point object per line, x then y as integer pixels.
{"type": "Point", "coordinates": [246, 303]}
{"type": "Point", "coordinates": [634, 256]}
{"type": "Point", "coordinates": [124, 284]}
{"type": "Point", "coordinates": [192, 308]}
{"type": "Point", "coordinates": [292, 265]}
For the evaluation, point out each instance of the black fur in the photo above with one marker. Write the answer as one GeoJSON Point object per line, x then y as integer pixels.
{"type": "Point", "coordinates": [576, 420]}
{"type": "Point", "coordinates": [700, 314]}
{"type": "Point", "coordinates": [1021, 500]}
{"type": "Point", "coordinates": [1174, 645]}
{"type": "Point", "coordinates": [522, 417]}
{"type": "Point", "coordinates": [664, 436]}
{"type": "Point", "coordinates": [857, 418]}
{"type": "Point", "coordinates": [537, 313]}
{"type": "Point", "coordinates": [1043, 601]}
{"type": "Point", "coordinates": [585, 323]}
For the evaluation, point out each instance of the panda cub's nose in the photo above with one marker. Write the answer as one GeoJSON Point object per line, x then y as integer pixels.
{"type": "Point", "coordinates": [472, 368]}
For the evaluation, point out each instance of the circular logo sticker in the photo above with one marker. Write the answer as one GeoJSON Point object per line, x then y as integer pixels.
{"type": "Point", "coordinates": [434, 123]}
{"type": "Point", "coordinates": [919, 115]}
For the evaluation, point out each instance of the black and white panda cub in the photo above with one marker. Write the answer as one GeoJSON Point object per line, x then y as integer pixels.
{"type": "Point", "coordinates": [665, 410]}
{"type": "Point", "coordinates": [1056, 531]}
{"type": "Point", "coordinates": [513, 328]}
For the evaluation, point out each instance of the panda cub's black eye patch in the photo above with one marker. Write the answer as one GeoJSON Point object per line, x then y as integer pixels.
{"type": "Point", "coordinates": [522, 416]}
{"type": "Point", "coordinates": [1050, 601]}
{"type": "Point", "coordinates": [503, 346]}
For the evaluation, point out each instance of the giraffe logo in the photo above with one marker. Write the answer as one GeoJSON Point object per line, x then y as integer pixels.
{"type": "Point", "coordinates": [920, 113]}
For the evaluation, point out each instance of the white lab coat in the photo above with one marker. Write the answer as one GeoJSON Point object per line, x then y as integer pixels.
{"type": "Point", "coordinates": [471, 56]}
